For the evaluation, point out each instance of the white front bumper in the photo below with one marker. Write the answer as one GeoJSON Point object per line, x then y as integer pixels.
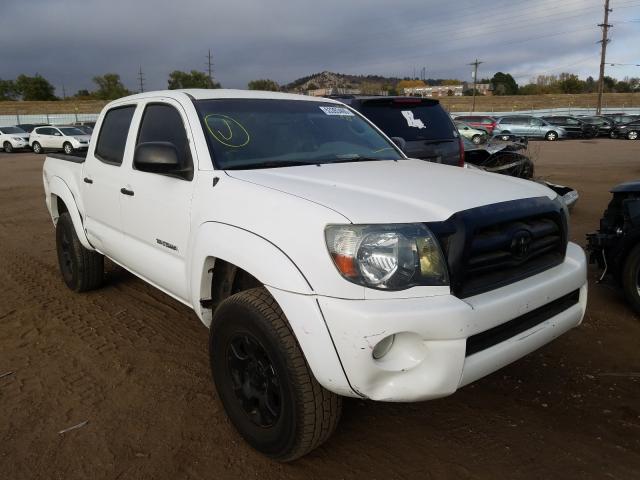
{"type": "Point", "coordinates": [428, 358]}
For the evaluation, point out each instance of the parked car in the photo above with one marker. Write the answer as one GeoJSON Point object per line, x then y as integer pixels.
{"type": "Point", "coordinates": [528, 126]}
{"type": "Point", "coordinates": [575, 127]}
{"type": "Point", "coordinates": [627, 130]}
{"type": "Point", "coordinates": [85, 128]}
{"type": "Point", "coordinates": [28, 127]}
{"type": "Point", "coordinates": [621, 117]}
{"type": "Point", "coordinates": [13, 138]}
{"type": "Point", "coordinates": [604, 124]}
{"type": "Point", "coordinates": [325, 262]}
{"type": "Point", "coordinates": [509, 158]}
{"type": "Point", "coordinates": [68, 139]}
{"type": "Point", "coordinates": [474, 135]}
{"type": "Point", "coordinates": [479, 121]}
{"type": "Point", "coordinates": [615, 246]}
{"type": "Point", "coordinates": [421, 127]}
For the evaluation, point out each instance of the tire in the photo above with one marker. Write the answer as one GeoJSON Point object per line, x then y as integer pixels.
{"type": "Point", "coordinates": [476, 139]}
{"type": "Point", "coordinates": [36, 147]}
{"type": "Point", "coordinates": [551, 136]}
{"type": "Point", "coordinates": [630, 272]}
{"type": "Point", "coordinates": [264, 381]}
{"type": "Point", "coordinates": [81, 269]}
{"type": "Point", "coordinates": [68, 148]}
{"type": "Point", "coordinates": [505, 136]}
{"type": "Point", "coordinates": [632, 135]}
{"type": "Point", "coordinates": [613, 134]}
{"type": "Point", "coordinates": [7, 147]}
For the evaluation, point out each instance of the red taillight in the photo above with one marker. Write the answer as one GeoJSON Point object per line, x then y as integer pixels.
{"type": "Point", "coordinates": [461, 160]}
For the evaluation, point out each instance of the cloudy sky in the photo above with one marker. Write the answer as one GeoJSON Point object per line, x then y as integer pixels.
{"type": "Point", "coordinates": [70, 41]}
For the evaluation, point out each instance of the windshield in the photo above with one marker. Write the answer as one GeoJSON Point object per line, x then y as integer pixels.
{"type": "Point", "coordinates": [72, 131]}
{"type": "Point", "coordinates": [11, 130]}
{"type": "Point", "coordinates": [412, 120]}
{"type": "Point", "coordinates": [261, 133]}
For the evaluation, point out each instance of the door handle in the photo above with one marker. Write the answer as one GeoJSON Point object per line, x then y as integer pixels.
{"type": "Point", "coordinates": [87, 180]}
{"type": "Point", "coordinates": [126, 192]}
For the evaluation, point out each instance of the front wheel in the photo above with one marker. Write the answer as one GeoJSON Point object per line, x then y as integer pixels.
{"type": "Point", "coordinates": [7, 147]}
{"type": "Point", "coordinates": [68, 148]}
{"type": "Point", "coordinates": [632, 135]}
{"type": "Point", "coordinates": [36, 147]}
{"type": "Point", "coordinates": [264, 381]}
{"type": "Point", "coordinates": [476, 139]}
{"type": "Point", "coordinates": [81, 269]}
{"type": "Point", "coordinates": [551, 136]}
{"type": "Point", "coordinates": [505, 136]}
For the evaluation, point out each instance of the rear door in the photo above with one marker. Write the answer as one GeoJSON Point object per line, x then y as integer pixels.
{"type": "Point", "coordinates": [156, 213]}
{"type": "Point", "coordinates": [103, 177]}
{"type": "Point", "coordinates": [535, 127]}
{"type": "Point", "coordinates": [426, 128]}
{"type": "Point", "coordinates": [46, 137]}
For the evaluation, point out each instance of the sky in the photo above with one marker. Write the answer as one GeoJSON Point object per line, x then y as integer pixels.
{"type": "Point", "coordinates": [70, 41]}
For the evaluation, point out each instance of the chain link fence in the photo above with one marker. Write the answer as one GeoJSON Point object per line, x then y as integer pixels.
{"type": "Point", "coordinates": [49, 118]}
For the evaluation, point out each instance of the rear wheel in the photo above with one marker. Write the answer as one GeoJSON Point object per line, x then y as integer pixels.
{"type": "Point", "coordinates": [36, 147]}
{"type": "Point", "coordinates": [81, 269]}
{"type": "Point", "coordinates": [7, 147]}
{"type": "Point", "coordinates": [613, 134]}
{"type": "Point", "coordinates": [551, 136]}
{"type": "Point", "coordinates": [632, 135]}
{"type": "Point", "coordinates": [68, 148]}
{"type": "Point", "coordinates": [476, 139]}
{"type": "Point", "coordinates": [505, 136]}
{"type": "Point", "coordinates": [263, 379]}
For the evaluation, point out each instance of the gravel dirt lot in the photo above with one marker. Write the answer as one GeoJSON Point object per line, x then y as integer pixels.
{"type": "Point", "coordinates": [134, 364]}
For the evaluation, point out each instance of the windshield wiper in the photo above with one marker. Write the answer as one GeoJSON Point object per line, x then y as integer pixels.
{"type": "Point", "coordinates": [256, 165]}
{"type": "Point", "coordinates": [355, 158]}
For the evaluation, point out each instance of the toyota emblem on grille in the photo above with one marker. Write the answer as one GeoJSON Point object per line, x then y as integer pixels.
{"type": "Point", "coordinates": [520, 243]}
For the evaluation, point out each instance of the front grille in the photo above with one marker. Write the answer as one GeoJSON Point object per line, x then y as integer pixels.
{"type": "Point", "coordinates": [493, 246]}
{"type": "Point", "coordinates": [487, 339]}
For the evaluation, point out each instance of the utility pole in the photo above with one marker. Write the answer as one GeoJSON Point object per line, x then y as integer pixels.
{"type": "Point", "coordinates": [64, 92]}
{"type": "Point", "coordinates": [210, 68]}
{"type": "Point", "coordinates": [603, 53]}
{"type": "Point", "coordinates": [475, 79]}
{"type": "Point", "coordinates": [141, 79]}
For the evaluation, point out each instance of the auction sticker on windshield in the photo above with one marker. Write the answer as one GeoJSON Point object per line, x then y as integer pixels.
{"type": "Point", "coordinates": [411, 120]}
{"type": "Point", "coordinates": [337, 111]}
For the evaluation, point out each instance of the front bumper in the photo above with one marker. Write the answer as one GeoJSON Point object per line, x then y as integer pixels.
{"type": "Point", "coordinates": [428, 358]}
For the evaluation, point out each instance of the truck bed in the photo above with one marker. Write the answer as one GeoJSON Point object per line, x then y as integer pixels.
{"type": "Point", "coordinates": [69, 158]}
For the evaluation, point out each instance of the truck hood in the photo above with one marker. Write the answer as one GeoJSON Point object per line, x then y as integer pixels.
{"type": "Point", "coordinates": [402, 191]}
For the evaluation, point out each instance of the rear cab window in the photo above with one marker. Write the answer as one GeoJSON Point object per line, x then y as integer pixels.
{"type": "Point", "coordinates": [411, 119]}
{"type": "Point", "coordinates": [112, 138]}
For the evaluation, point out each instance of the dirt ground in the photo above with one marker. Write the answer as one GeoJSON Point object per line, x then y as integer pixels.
{"type": "Point", "coordinates": [133, 363]}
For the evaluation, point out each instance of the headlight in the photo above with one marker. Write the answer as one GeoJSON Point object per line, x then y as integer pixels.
{"type": "Point", "coordinates": [387, 257]}
{"type": "Point", "coordinates": [18, 139]}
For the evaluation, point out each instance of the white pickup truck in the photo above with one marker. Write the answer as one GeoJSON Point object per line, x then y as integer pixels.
{"type": "Point", "coordinates": [324, 261]}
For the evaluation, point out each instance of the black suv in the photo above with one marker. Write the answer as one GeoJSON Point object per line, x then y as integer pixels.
{"type": "Point", "coordinates": [629, 130]}
{"type": "Point", "coordinates": [420, 126]}
{"type": "Point", "coordinates": [575, 127]}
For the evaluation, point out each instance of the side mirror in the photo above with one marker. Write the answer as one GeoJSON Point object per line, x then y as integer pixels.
{"type": "Point", "coordinates": [158, 157]}
{"type": "Point", "coordinates": [400, 142]}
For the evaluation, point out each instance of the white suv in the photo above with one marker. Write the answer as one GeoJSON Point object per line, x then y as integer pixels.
{"type": "Point", "coordinates": [68, 139]}
{"type": "Point", "coordinates": [13, 138]}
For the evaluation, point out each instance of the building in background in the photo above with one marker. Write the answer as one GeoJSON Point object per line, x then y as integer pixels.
{"type": "Point", "coordinates": [436, 91]}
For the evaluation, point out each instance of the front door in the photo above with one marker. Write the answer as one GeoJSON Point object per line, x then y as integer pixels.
{"type": "Point", "coordinates": [156, 212]}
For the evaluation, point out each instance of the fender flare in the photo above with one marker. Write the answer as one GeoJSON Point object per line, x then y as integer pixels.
{"type": "Point", "coordinates": [246, 250]}
{"type": "Point", "coordinates": [59, 188]}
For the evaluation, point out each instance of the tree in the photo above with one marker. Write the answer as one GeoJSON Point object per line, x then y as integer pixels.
{"type": "Point", "coordinates": [504, 84]}
{"type": "Point", "coordinates": [83, 94]}
{"type": "Point", "coordinates": [8, 90]}
{"type": "Point", "coordinates": [193, 79]}
{"type": "Point", "coordinates": [109, 87]}
{"type": "Point", "coordinates": [402, 84]}
{"type": "Point", "coordinates": [264, 84]}
{"type": "Point", "coordinates": [34, 88]}
{"type": "Point", "coordinates": [570, 83]}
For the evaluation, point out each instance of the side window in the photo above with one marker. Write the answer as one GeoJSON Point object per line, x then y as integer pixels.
{"type": "Point", "coordinates": [536, 122]}
{"type": "Point", "coordinates": [163, 123]}
{"type": "Point", "coordinates": [112, 138]}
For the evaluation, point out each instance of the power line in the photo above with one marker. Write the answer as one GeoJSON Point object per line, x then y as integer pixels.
{"type": "Point", "coordinates": [141, 79]}
{"type": "Point", "coordinates": [603, 53]}
{"type": "Point", "coordinates": [475, 79]}
{"type": "Point", "coordinates": [210, 68]}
